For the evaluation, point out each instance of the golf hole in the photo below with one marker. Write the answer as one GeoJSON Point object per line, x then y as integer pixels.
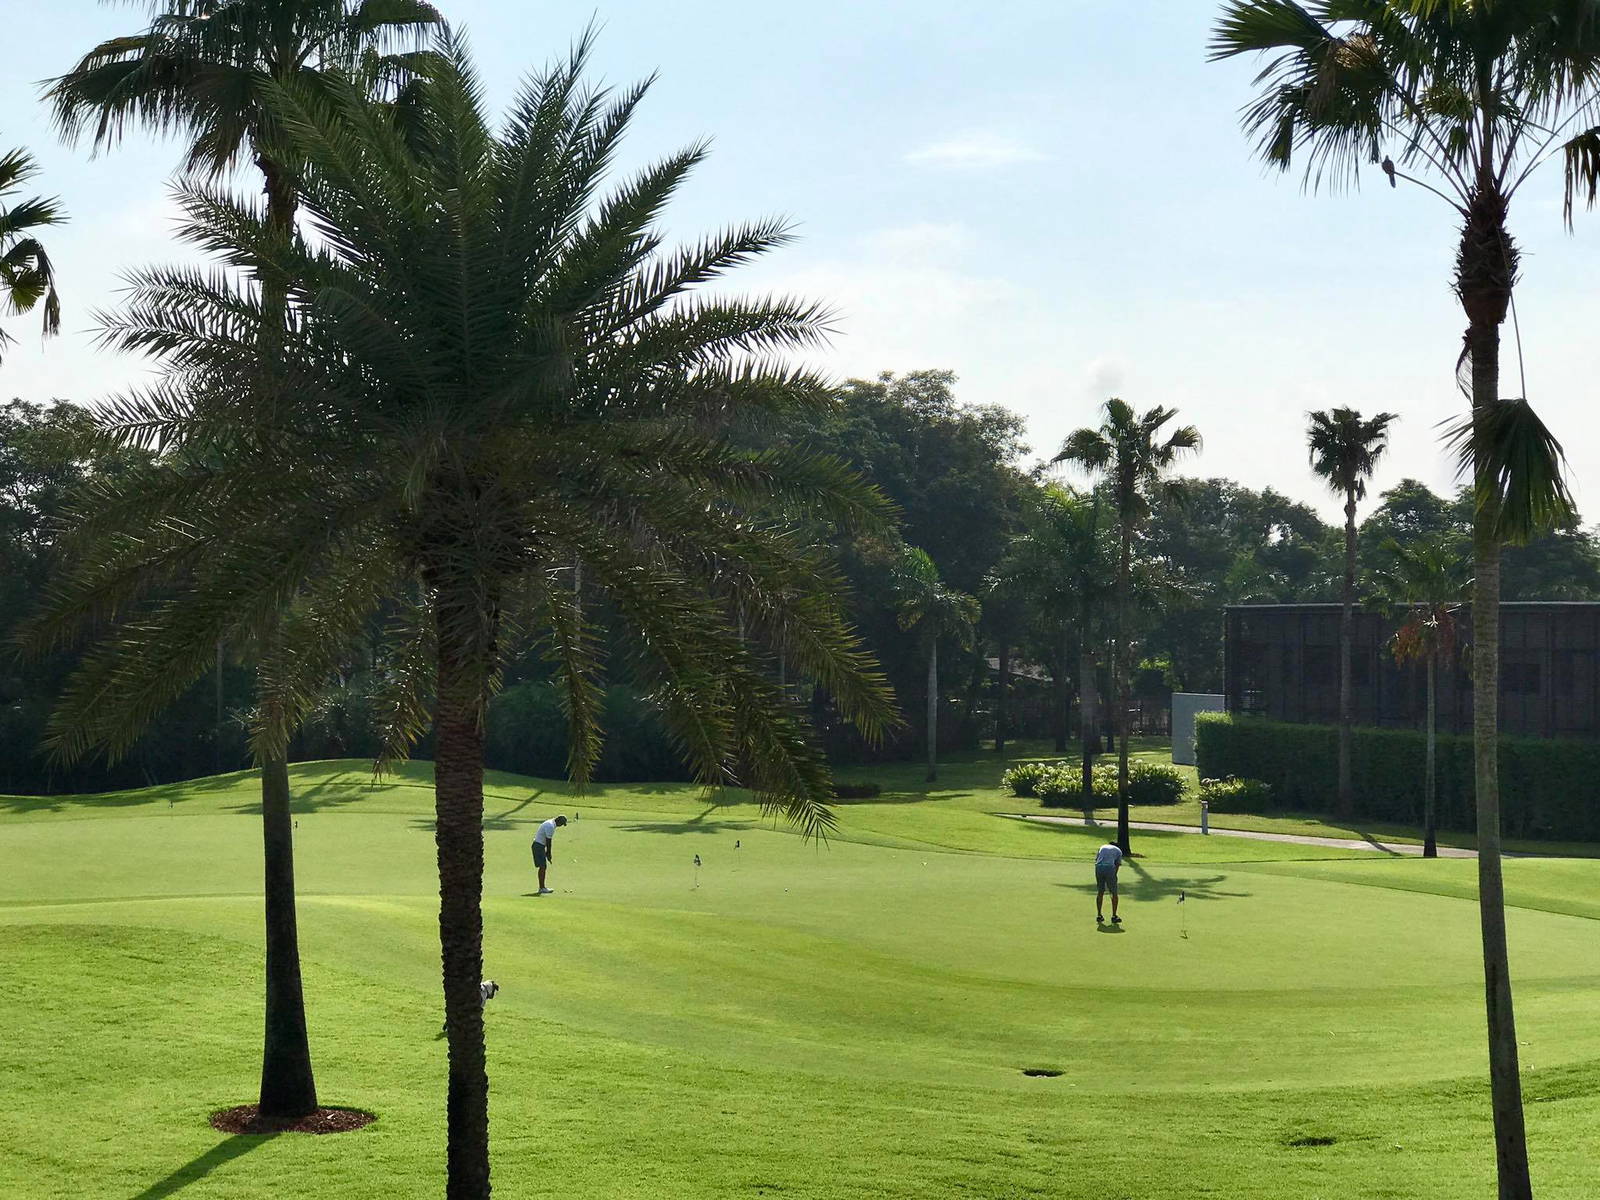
{"type": "Point", "coordinates": [1311, 1140]}
{"type": "Point", "coordinates": [1041, 1072]}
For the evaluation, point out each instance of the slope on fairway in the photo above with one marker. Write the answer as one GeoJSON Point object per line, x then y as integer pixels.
{"type": "Point", "coordinates": [693, 1036]}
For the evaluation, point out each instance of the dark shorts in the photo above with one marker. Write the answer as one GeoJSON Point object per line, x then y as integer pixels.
{"type": "Point", "coordinates": [540, 856]}
{"type": "Point", "coordinates": [1106, 877]}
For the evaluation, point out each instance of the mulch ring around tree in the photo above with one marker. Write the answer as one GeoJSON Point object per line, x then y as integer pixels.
{"type": "Point", "coordinates": [245, 1119]}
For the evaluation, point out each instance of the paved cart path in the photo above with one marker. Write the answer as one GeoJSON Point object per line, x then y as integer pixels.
{"type": "Point", "coordinates": [1298, 839]}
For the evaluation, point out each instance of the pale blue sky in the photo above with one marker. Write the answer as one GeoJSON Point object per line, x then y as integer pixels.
{"type": "Point", "coordinates": [1051, 198]}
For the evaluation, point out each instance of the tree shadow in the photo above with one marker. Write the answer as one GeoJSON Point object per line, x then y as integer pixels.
{"type": "Point", "coordinates": [192, 1172]}
{"type": "Point", "coordinates": [1144, 886]}
{"type": "Point", "coordinates": [170, 794]}
{"type": "Point", "coordinates": [693, 825]}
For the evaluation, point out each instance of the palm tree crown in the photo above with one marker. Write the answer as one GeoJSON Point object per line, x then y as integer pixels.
{"type": "Point", "coordinates": [201, 68]}
{"type": "Point", "coordinates": [926, 604]}
{"type": "Point", "coordinates": [1346, 447]}
{"type": "Point", "coordinates": [1129, 452]}
{"type": "Point", "coordinates": [27, 277]}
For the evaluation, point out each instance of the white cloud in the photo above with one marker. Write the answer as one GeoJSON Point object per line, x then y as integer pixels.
{"type": "Point", "coordinates": [975, 151]}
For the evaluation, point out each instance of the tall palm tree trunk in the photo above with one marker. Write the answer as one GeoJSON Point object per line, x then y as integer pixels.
{"type": "Point", "coordinates": [933, 709]}
{"type": "Point", "coordinates": [1002, 690]}
{"type": "Point", "coordinates": [458, 804]}
{"type": "Point", "coordinates": [1088, 717]}
{"type": "Point", "coordinates": [1345, 803]}
{"type": "Point", "coordinates": [1063, 713]}
{"type": "Point", "coordinates": [1511, 1147]}
{"type": "Point", "coordinates": [287, 1087]}
{"type": "Point", "coordinates": [1123, 684]}
{"type": "Point", "coordinates": [1430, 793]}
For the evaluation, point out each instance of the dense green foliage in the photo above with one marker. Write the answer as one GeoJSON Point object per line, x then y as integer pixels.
{"type": "Point", "coordinates": [1233, 795]}
{"type": "Point", "coordinates": [1546, 784]}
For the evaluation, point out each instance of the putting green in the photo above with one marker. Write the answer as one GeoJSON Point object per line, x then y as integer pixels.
{"type": "Point", "coordinates": [839, 1020]}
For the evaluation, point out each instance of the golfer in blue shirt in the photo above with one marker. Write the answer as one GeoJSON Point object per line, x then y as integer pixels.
{"type": "Point", "coordinates": [1107, 861]}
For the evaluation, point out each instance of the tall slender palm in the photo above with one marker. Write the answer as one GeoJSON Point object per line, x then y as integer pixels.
{"type": "Point", "coordinates": [1062, 564]}
{"type": "Point", "coordinates": [27, 277]}
{"type": "Point", "coordinates": [492, 371]}
{"type": "Point", "coordinates": [1345, 449]}
{"type": "Point", "coordinates": [1422, 585]}
{"type": "Point", "coordinates": [201, 68]}
{"type": "Point", "coordinates": [1477, 95]}
{"type": "Point", "coordinates": [924, 603]}
{"type": "Point", "coordinates": [1130, 453]}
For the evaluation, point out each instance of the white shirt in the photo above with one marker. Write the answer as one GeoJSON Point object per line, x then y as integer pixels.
{"type": "Point", "coordinates": [1109, 855]}
{"type": "Point", "coordinates": [547, 830]}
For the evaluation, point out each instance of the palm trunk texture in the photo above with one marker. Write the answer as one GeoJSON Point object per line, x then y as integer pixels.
{"type": "Point", "coordinates": [1505, 1081]}
{"type": "Point", "coordinates": [1430, 844]}
{"type": "Point", "coordinates": [1346, 803]}
{"type": "Point", "coordinates": [458, 803]}
{"type": "Point", "coordinates": [1088, 720]}
{"type": "Point", "coordinates": [1002, 688]}
{"type": "Point", "coordinates": [288, 1088]}
{"type": "Point", "coordinates": [933, 709]}
{"type": "Point", "coordinates": [1123, 688]}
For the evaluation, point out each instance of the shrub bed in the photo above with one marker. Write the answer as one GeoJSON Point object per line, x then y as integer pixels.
{"type": "Point", "coordinates": [1547, 786]}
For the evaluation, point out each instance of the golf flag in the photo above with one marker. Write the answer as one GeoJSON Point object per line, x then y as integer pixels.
{"type": "Point", "coordinates": [1181, 896]}
{"type": "Point", "coordinates": [697, 860]}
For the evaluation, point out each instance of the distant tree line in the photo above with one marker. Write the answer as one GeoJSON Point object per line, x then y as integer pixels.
{"type": "Point", "coordinates": [966, 497]}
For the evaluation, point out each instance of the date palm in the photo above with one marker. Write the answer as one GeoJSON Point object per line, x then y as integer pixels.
{"type": "Point", "coordinates": [27, 277]}
{"type": "Point", "coordinates": [201, 69]}
{"type": "Point", "coordinates": [937, 612]}
{"type": "Point", "coordinates": [1345, 449]}
{"type": "Point", "coordinates": [1129, 452]}
{"type": "Point", "coordinates": [1422, 585]}
{"type": "Point", "coordinates": [493, 373]}
{"type": "Point", "coordinates": [1466, 99]}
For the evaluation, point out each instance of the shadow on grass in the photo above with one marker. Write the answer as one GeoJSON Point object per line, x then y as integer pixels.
{"type": "Point", "coordinates": [168, 794]}
{"type": "Point", "coordinates": [1144, 886]}
{"type": "Point", "coordinates": [192, 1172]}
{"type": "Point", "coordinates": [694, 825]}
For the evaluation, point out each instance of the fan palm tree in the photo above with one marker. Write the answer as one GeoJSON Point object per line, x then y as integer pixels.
{"type": "Point", "coordinates": [27, 277]}
{"type": "Point", "coordinates": [201, 69]}
{"type": "Point", "coordinates": [1345, 449]}
{"type": "Point", "coordinates": [1129, 452]}
{"type": "Point", "coordinates": [1061, 563]}
{"type": "Point", "coordinates": [1422, 585]}
{"type": "Point", "coordinates": [924, 603]}
{"type": "Point", "coordinates": [1475, 95]}
{"type": "Point", "coordinates": [491, 372]}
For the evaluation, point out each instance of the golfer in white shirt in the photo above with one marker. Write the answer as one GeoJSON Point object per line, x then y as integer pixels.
{"type": "Point", "coordinates": [544, 849]}
{"type": "Point", "coordinates": [1107, 861]}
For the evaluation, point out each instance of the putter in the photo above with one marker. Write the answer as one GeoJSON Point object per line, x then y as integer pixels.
{"type": "Point", "coordinates": [1184, 916]}
{"type": "Point", "coordinates": [697, 871]}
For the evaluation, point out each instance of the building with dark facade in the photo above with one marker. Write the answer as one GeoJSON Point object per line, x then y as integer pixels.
{"type": "Point", "coordinates": [1282, 661]}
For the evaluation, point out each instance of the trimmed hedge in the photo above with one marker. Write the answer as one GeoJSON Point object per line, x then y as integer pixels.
{"type": "Point", "coordinates": [1549, 788]}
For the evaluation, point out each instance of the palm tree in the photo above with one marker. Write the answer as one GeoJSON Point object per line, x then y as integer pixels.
{"type": "Point", "coordinates": [1345, 449]}
{"type": "Point", "coordinates": [926, 604]}
{"type": "Point", "coordinates": [1061, 564]}
{"type": "Point", "coordinates": [492, 372]}
{"type": "Point", "coordinates": [1129, 452]}
{"type": "Point", "coordinates": [1477, 95]}
{"type": "Point", "coordinates": [1422, 584]}
{"type": "Point", "coordinates": [27, 277]}
{"type": "Point", "coordinates": [201, 69]}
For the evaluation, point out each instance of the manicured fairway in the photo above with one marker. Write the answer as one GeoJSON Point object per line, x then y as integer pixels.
{"type": "Point", "coordinates": [837, 1021]}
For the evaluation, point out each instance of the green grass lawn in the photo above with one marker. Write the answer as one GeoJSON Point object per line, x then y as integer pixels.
{"type": "Point", "coordinates": [843, 1020]}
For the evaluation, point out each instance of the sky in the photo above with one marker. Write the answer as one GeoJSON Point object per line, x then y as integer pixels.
{"type": "Point", "coordinates": [1051, 198]}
